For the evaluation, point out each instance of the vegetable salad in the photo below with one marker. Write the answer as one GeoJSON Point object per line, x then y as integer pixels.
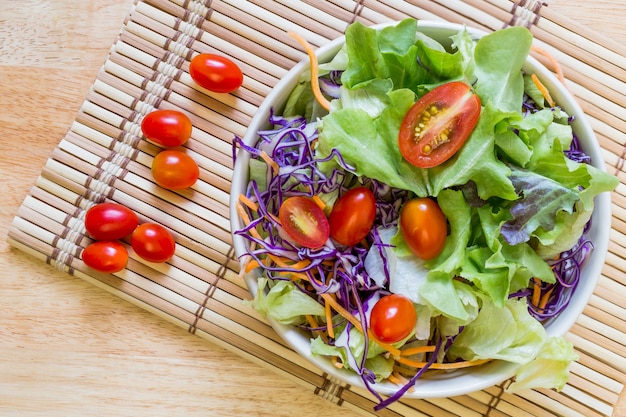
{"type": "Point", "coordinates": [517, 198]}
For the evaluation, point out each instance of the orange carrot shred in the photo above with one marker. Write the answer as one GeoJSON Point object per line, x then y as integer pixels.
{"type": "Point", "coordinates": [248, 203]}
{"type": "Point", "coordinates": [545, 298]}
{"type": "Point", "coordinates": [337, 363]}
{"type": "Point", "coordinates": [320, 203]}
{"type": "Point", "coordinates": [451, 365]}
{"type": "Point", "coordinates": [417, 350]}
{"type": "Point", "coordinates": [329, 321]}
{"type": "Point", "coordinates": [315, 85]}
{"type": "Point", "coordinates": [398, 379]}
{"type": "Point", "coordinates": [269, 161]}
{"type": "Point", "coordinates": [252, 264]}
{"type": "Point", "coordinates": [536, 292]}
{"type": "Point", "coordinates": [555, 64]}
{"type": "Point", "coordinates": [544, 90]}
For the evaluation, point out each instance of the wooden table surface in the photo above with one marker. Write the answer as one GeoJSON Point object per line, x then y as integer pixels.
{"type": "Point", "coordinates": [68, 348]}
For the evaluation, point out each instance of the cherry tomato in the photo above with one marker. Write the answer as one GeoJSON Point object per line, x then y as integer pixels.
{"type": "Point", "coordinates": [167, 127]}
{"type": "Point", "coordinates": [215, 73]}
{"type": "Point", "coordinates": [174, 170]}
{"type": "Point", "coordinates": [153, 242]}
{"type": "Point", "coordinates": [438, 124]}
{"type": "Point", "coordinates": [393, 318]}
{"type": "Point", "coordinates": [304, 221]}
{"type": "Point", "coordinates": [105, 256]}
{"type": "Point", "coordinates": [352, 216]}
{"type": "Point", "coordinates": [424, 227]}
{"type": "Point", "coordinates": [110, 221]}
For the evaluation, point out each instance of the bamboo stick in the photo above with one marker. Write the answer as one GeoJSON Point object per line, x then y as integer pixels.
{"type": "Point", "coordinates": [596, 349]}
{"type": "Point", "coordinates": [600, 381]}
{"type": "Point", "coordinates": [453, 407]}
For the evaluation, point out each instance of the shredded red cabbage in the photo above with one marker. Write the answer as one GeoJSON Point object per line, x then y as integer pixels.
{"type": "Point", "coordinates": [290, 144]}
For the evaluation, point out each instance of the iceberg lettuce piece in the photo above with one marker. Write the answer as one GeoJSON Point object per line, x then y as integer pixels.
{"type": "Point", "coordinates": [284, 302]}
{"type": "Point", "coordinates": [550, 369]}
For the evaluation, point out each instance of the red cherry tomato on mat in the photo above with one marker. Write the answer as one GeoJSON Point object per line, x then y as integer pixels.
{"type": "Point", "coordinates": [393, 318]}
{"type": "Point", "coordinates": [424, 227]}
{"type": "Point", "coordinates": [105, 256]}
{"type": "Point", "coordinates": [174, 170]}
{"type": "Point", "coordinates": [215, 73]}
{"type": "Point", "coordinates": [153, 242]}
{"type": "Point", "coordinates": [438, 124]}
{"type": "Point", "coordinates": [304, 221]}
{"type": "Point", "coordinates": [167, 127]}
{"type": "Point", "coordinates": [352, 216]}
{"type": "Point", "coordinates": [110, 221]}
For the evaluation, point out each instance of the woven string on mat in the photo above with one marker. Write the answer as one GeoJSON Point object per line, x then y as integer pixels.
{"type": "Point", "coordinates": [103, 157]}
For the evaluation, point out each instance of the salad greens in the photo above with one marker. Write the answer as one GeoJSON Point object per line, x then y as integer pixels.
{"type": "Point", "coordinates": [511, 195]}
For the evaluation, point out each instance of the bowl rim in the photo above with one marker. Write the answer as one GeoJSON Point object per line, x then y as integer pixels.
{"type": "Point", "coordinates": [496, 371]}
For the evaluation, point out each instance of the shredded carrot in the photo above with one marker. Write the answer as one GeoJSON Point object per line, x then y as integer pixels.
{"type": "Point", "coordinates": [336, 362]}
{"type": "Point", "coordinates": [315, 85]}
{"type": "Point", "coordinates": [329, 321]}
{"type": "Point", "coordinates": [311, 320]}
{"type": "Point", "coordinates": [555, 64]}
{"type": "Point", "coordinates": [252, 264]}
{"type": "Point", "coordinates": [544, 299]}
{"type": "Point", "coordinates": [536, 292]}
{"type": "Point", "coordinates": [319, 202]}
{"type": "Point", "coordinates": [543, 89]}
{"type": "Point", "coordinates": [248, 203]}
{"type": "Point", "coordinates": [398, 379]}
{"type": "Point", "coordinates": [246, 220]}
{"type": "Point", "coordinates": [451, 365]}
{"type": "Point", "coordinates": [345, 314]}
{"type": "Point", "coordinates": [269, 161]}
{"type": "Point", "coordinates": [315, 325]}
{"type": "Point", "coordinates": [417, 350]}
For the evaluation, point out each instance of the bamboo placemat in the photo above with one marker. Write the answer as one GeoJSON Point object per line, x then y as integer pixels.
{"type": "Point", "coordinates": [103, 157]}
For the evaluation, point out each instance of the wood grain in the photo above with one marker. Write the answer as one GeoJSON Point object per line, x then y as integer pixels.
{"type": "Point", "coordinates": [68, 348]}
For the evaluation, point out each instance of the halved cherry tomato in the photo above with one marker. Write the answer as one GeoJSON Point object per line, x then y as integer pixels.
{"type": "Point", "coordinates": [105, 256]}
{"type": "Point", "coordinates": [424, 227]}
{"type": "Point", "coordinates": [110, 221]}
{"type": "Point", "coordinates": [393, 318]}
{"type": "Point", "coordinates": [167, 127]}
{"type": "Point", "coordinates": [438, 124]}
{"type": "Point", "coordinates": [153, 242]}
{"type": "Point", "coordinates": [174, 170]}
{"type": "Point", "coordinates": [304, 221]}
{"type": "Point", "coordinates": [352, 216]}
{"type": "Point", "coordinates": [215, 73]}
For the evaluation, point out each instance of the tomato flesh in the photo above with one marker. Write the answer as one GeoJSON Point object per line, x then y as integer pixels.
{"type": "Point", "coordinates": [153, 242]}
{"type": "Point", "coordinates": [110, 221]}
{"type": "Point", "coordinates": [424, 227]}
{"type": "Point", "coordinates": [438, 124]}
{"type": "Point", "coordinates": [393, 318]}
{"type": "Point", "coordinates": [105, 256]}
{"type": "Point", "coordinates": [166, 127]}
{"type": "Point", "coordinates": [352, 216]}
{"type": "Point", "coordinates": [174, 170]}
{"type": "Point", "coordinates": [304, 221]}
{"type": "Point", "coordinates": [215, 73]}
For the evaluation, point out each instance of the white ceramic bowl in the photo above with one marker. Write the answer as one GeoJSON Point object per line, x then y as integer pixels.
{"type": "Point", "coordinates": [463, 381]}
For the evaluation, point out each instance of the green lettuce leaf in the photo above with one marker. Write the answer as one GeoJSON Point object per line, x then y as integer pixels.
{"type": "Point", "coordinates": [381, 365]}
{"type": "Point", "coordinates": [550, 369]}
{"type": "Point", "coordinates": [509, 333]}
{"type": "Point", "coordinates": [284, 303]}
{"type": "Point", "coordinates": [542, 198]}
{"type": "Point", "coordinates": [499, 59]}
